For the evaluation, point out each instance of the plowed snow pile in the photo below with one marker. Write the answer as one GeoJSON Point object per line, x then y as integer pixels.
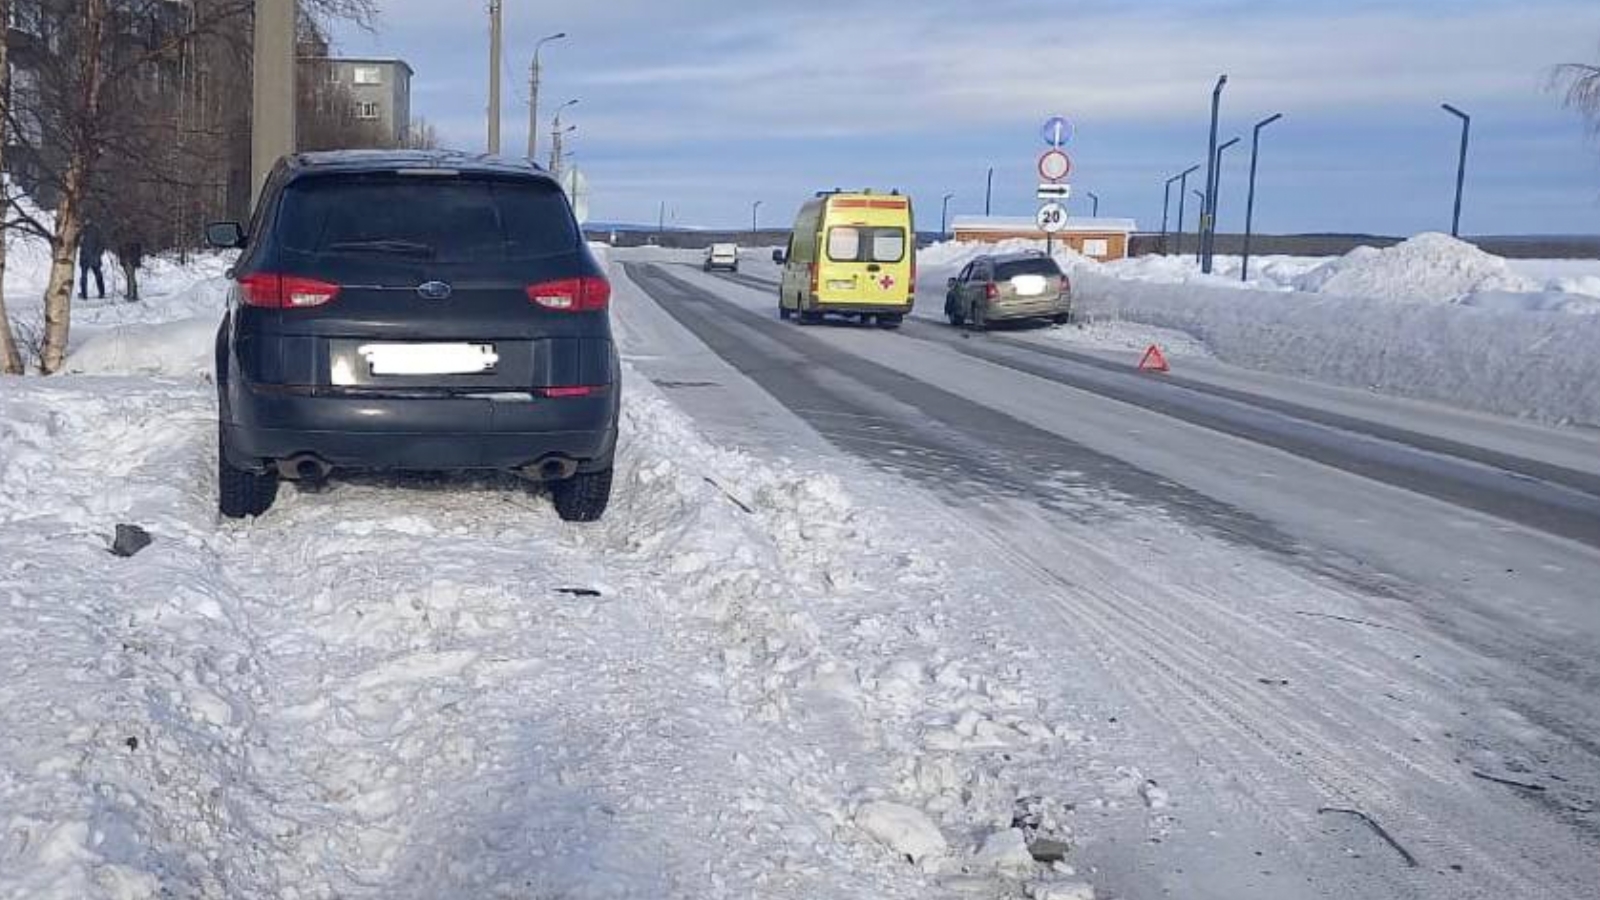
{"type": "Point", "coordinates": [1429, 268]}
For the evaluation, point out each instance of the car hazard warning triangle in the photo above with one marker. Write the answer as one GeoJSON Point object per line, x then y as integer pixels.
{"type": "Point", "coordinates": [1154, 360]}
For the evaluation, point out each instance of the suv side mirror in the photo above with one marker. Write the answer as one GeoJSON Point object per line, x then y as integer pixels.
{"type": "Point", "coordinates": [778, 256]}
{"type": "Point", "coordinates": [951, 283]}
{"type": "Point", "coordinates": [225, 235]}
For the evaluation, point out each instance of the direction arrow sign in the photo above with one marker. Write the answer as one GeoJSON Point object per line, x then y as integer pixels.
{"type": "Point", "coordinates": [1054, 165]}
{"type": "Point", "coordinates": [1052, 218]}
{"type": "Point", "coordinates": [1056, 131]}
{"type": "Point", "coordinates": [1055, 191]}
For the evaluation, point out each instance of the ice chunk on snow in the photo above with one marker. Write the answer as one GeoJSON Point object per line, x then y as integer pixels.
{"type": "Point", "coordinates": [904, 830]}
{"type": "Point", "coordinates": [1005, 852]}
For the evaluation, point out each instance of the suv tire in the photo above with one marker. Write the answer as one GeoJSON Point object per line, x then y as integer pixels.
{"type": "Point", "coordinates": [242, 493]}
{"type": "Point", "coordinates": [583, 497]}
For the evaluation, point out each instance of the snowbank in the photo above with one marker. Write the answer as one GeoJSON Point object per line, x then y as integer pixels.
{"type": "Point", "coordinates": [1519, 364]}
{"type": "Point", "coordinates": [1429, 268]}
{"type": "Point", "coordinates": [171, 349]}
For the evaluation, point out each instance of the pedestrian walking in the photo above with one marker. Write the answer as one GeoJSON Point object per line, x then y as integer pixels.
{"type": "Point", "coordinates": [91, 250]}
{"type": "Point", "coordinates": [130, 256]}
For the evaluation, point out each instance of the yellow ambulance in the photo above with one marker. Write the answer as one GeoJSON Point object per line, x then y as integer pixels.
{"type": "Point", "coordinates": [851, 254]}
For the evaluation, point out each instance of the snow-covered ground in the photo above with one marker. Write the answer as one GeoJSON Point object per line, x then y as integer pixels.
{"type": "Point", "coordinates": [743, 683]}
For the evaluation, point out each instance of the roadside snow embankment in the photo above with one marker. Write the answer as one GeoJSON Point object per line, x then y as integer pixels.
{"type": "Point", "coordinates": [1431, 318]}
{"type": "Point", "coordinates": [1521, 364]}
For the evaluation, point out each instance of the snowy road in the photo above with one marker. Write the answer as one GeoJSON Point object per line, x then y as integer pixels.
{"type": "Point", "coordinates": [1309, 599]}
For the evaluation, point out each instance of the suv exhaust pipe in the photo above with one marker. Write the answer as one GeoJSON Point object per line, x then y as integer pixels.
{"type": "Point", "coordinates": [304, 467]}
{"type": "Point", "coordinates": [554, 468]}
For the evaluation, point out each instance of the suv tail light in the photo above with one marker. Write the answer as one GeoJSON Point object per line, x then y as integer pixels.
{"type": "Point", "coordinates": [1066, 285]}
{"type": "Point", "coordinates": [815, 283]}
{"type": "Point", "coordinates": [912, 287]}
{"type": "Point", "coordinates": [586, 294]}
{"type": "Point", "coordinates": [991, 291]}
{"type": "Point", "coordinates": [270, 290]}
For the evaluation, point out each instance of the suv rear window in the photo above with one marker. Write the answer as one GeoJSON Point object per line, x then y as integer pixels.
{"type": "Point", "coordinates": [437, 218]}
{"type": "Point", "coordinates": [859, 243]}
{"type": "Point", "coordinates": [1041, 266]}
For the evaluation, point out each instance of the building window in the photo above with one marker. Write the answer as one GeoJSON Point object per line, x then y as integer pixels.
{"type": "Point", "coordinates": [367, 75]}
{"type": "Point", "coordinates": [366, 109]}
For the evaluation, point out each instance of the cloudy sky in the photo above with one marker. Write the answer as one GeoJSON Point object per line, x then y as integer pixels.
{"type": "Point", "coordinates": [710, 105]}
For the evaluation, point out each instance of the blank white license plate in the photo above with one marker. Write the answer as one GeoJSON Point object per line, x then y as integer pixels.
{"type": "Point", "coordinates": [429, 359]}
{"type": "Point", "coordinates": [1029, 285]}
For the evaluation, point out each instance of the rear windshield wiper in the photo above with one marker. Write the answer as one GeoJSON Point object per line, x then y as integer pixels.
{"type": "Point", "coordinates": [400, 248]}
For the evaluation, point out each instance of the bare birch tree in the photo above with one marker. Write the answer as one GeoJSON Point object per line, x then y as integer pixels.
{"type": "Point", "coordinates": [11, 362]}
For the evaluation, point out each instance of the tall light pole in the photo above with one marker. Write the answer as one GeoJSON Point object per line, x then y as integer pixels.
{"type": "Point", "coordinates": [1250, 203]}
{"type": "Point", "coordinates": [988, 192]}
{"type": "Point", "coordinates": [944, 217]}
{"type": "Point", "coordinates": [272, 88]}
{"type": "Point", "coordinates": [1461, 167]}
{"type": "Point", "coordinates": [494, 75]}
{"type": "Point", "coordinates": [1208, 211]}
{"type": "Point", "coordinates": [1095, 198]}
{"type": "Point", "coordinates": [533, 94]}
{"type": "Point", "coordinates": [1216, 203]}
{"type": "Point", "coordinates": [558, 152]}
{"type": "Point", "coordinates": [555, 132]}
{"type": "Point", "coordinates": [1183, 196]}
{"type": "Point", "coordinates": [1199, 224]}
{"type": "Point", "coordinates": [755, 209]}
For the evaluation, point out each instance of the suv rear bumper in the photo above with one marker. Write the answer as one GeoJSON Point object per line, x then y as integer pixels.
{"type": "Point", "coordinates": [417, 433]}
{"type": "Point", "coordinates": [1028, 309]}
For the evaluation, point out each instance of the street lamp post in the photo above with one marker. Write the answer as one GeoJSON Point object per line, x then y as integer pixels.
{"type": "Point", "coordinates": [1183, 196]}
{"type": "Point", "coordinates": [755, 208]}
{"type": "Point", "coordinates": [1250, 203]}
{"type": "Point", "coordinates": [988, 192]}
{"type": "Point", "coordinates": [555, 134]}
{"type": "Point", "coordinates": [1216, 201]}
{"type": "Point", "coordinates": [533, 94]}
{"type": "Point", "coordinates": [944, 217]}
{"type": "Point", "coordinates": [1208, 212]}
{"type": "Point", "coordinates": [1095, 199]}
{"type": "Point", "coordinates": [1199, 224]}
{"type": "Point", "coordinates": [1461, 167]}
{"type": "Point", "coordinates": [558, 154]}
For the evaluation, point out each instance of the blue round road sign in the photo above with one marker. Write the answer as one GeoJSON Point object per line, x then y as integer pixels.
{"type": "Point", "coordinates": [1056, 131]}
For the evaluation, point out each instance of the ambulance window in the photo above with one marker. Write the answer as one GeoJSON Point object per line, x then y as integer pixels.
{"type": "Point", "coordinates": [888, 245]}
{"type": "Point", "coordinates": [844, 244]}
{"type": "Point", "coordinates": [866, 244]}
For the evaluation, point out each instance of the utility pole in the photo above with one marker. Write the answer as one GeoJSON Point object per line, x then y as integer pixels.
{"type": "Point", "coordinates": [1209, 209]}
{"type": "Point", "coordinates": [944, 218]}
{"type": "Point", "coordinates": [1093, 197]}
{"type": "Point", "coordinates": [1250, 203]}
{"type": "Point", "coordinates": [494, 75]}
{"type": "Point", "coordinates": [988, 192]}
{"type": "Point", "coordinates": [533, 94]}
{"type": "Point", "coordinates": [272, 132]}
{"type": "Point", "coordinates": [1461, 167]}
{"type": "Point", "coordinates": [754, 209]}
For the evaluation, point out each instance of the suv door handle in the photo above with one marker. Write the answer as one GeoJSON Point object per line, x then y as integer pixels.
{"type": "Point", "coordinates": [874, 267]}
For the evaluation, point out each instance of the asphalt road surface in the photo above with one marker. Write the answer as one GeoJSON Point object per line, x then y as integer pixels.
{"type": "Point", "coordinates": [1364, 630]}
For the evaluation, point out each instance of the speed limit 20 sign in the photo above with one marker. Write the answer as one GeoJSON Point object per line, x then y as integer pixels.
{"type": "Point", "coordinates": [1052, 218]}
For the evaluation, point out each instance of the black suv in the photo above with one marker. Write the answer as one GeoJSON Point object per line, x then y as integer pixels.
{"type": "Point", "coordinates": [414, 311]}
